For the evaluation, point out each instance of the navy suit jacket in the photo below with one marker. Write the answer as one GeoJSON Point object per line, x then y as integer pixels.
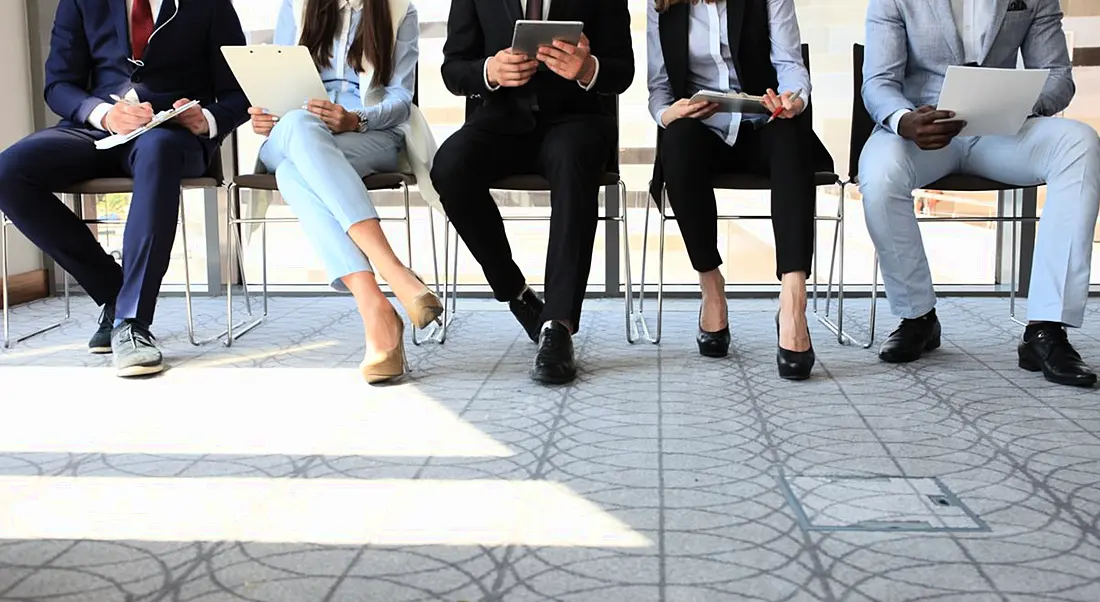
{"type": "Point", "coordinates": [90, 52]}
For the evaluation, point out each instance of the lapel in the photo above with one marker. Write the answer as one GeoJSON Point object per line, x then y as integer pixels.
{"type": "Point", "coordinates": [557, 8]}
{"type": "Point", "coordinates": [122, 26]}
{"type": "Point", "coordinates": [947, 27]}
{"type": "Point", "coordinates": [513, 10]}
{"type": "Point", "coordinates": [167, 9]}
{"type": "Point", "coordinates": [999, 10]}
{"type": "Point", "coordinates": [735, 17]}
{"type": "Point", "coordinates": [673, 26]}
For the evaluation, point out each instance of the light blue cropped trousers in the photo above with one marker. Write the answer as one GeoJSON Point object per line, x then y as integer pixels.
{"type": "Point", "coordinates": [320, 175]}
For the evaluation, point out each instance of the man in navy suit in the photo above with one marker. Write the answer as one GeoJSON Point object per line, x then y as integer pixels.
{"type": "Point", "coordinates": [113, 64]}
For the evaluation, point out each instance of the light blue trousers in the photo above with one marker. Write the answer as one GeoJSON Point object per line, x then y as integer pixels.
{"type": "Point", "coordinates": [320, 177]}
{"type": "Point", "coordinates": [1061, 152]}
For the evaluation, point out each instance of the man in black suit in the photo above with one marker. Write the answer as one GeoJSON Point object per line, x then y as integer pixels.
{"type": "Point", "coordinates": [539, 115]}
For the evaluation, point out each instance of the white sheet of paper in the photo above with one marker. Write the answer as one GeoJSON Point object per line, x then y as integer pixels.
{"type": "Point", "coordinates": [992, 102]}
{"type": "Point", "coordinates": [163, 117]}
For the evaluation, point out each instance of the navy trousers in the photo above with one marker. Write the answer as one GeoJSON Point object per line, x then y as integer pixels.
{"type": "Point", "coordinates": [31, 169]}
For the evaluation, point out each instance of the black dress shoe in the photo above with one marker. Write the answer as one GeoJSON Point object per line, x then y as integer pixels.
{"type": "Point", "coordinates": [1047, 349]}
{"type": "Point", "coordinates": [911, 339]}
{"type": "Point", "coordinates": [528, 310]}
{"type": "Point", "coordinates": [713, 344]}
{"type": "Point", "coordinates": [794, 365]}
{"type": "Point", "coordinates": [554, 363]}
{"type": "Point", "coordinates": [100, 343]}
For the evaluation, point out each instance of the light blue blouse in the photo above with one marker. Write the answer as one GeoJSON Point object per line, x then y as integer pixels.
{"type": "Point", "coordinates": [341, 80]}
{"type": "Point", "coordinates": [710, 63]}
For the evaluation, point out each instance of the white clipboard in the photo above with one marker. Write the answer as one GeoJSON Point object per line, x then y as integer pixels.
{"type": "Point", "coordinates": [733, 102]}
{"type": "Point", "coordinates": [277, 78]}
{"type": "Point", "coordinates": [158, 119]}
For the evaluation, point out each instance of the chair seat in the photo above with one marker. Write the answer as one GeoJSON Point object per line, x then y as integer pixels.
{"type": "Point", "coordinates": [968, 183]}
{"type": "Point", "coordinates": [756, 182]}
{"type": "Point", "coordinates": [536, 183]}
{"type": "Point", "coordinates": [381, 181]}
{"type": "Point", "coordinates": [123, 185]}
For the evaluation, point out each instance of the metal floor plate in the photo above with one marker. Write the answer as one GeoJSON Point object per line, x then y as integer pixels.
{"type": "Point", "coordinates": [844, 503]}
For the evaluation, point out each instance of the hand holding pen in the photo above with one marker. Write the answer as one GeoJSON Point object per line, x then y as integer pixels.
{"type": "Point", "coordinates": [784, 106]}
{"type": "Point", "coordinates": [126, 116]}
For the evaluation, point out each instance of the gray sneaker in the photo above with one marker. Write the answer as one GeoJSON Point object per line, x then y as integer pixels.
{"type": "Point", "coordinates": [135, 350]}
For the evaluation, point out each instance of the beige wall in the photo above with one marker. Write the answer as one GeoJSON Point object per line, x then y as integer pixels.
{"type": "Point", "coordinates": [1081, 8]}
{"type": "Point", "coordinates": [16, 106]}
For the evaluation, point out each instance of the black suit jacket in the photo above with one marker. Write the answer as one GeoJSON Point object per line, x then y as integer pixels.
{"type": "Point", "coordinates": [478, 29]}
{"type": "Point", "coordinates": [90, 52]}
{"type": "Point", "coordinates": [750, 46]}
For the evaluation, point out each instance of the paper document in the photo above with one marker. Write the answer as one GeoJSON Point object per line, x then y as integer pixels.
{"type": "Point", "coordinates": [158, 119]}
{"type": "Point", "coordinates": [992, 102]}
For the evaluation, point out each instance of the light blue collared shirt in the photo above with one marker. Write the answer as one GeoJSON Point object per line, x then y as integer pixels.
{"type": "Point", "coordinates": [341, 80]}
{"type": "Point", "coordinates": [710, 63]}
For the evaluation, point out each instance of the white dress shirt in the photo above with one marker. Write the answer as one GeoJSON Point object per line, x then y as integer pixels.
{"type": "Point", "coordinates": [98, 114]}
{"type": "Point", "coordinates": [972, 20]}
{"type": "Point", "coordinates": [545, 16]}
{"type": "Point", "coordinates": [710, 62]}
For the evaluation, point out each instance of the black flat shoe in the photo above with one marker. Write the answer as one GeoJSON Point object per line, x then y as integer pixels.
{"type": "Point", "coordinates": [1047, 349]}
{"type": "Point", "coordinates": [793, 365]}
{"type": "Point", "coordinates": [713, 344]}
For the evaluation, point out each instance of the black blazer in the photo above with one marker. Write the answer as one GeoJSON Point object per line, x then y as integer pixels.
{"type": "Point", "coordinates": [90, 48]}
{"type": "Point", "coordinates": [478, 29]}
{"type": "Point", "coordinates": [750, 47]}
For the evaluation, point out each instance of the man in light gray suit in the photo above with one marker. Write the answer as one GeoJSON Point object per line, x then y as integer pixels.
{"type": "Point", "coordinates": [910, 44]}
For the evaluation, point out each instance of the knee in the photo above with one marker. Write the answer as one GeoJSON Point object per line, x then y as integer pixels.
{"type": "Point", "coordinates": [453, 170]}
{"type": "Point", "coordinates": [11, 167]}
{"type": "Point", "coordinates": [681, 147]}
{"type": "Point", "coordinates": [161, 147]}
{"type": "Point", "coordinates": [885, 172]}
{"type": "Point", "coordinates": [297, 121]}
{"type": "Point", "coordinates": [1079, 142]}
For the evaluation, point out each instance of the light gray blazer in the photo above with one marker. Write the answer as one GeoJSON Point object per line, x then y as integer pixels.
{"type": "Point", "coordinates": [910, 44]}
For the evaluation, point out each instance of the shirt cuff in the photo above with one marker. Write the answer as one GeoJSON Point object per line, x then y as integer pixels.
{"type": "Point", "coordinates": [595, 74]}
{"type": "Point", "coordinates": [97, 116]}
{"type": "Point", "coordinates": [211, 122]}
{"type": "Point", "coordinates": [660, 117]}
{"type": "Point", "coordinates": [485, 76]}
{"type": "Point", "coordinates": [894, 120]}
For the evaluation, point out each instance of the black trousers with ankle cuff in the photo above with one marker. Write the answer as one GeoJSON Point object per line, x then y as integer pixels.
{"type": "Point", "coordinates": [692, 153]}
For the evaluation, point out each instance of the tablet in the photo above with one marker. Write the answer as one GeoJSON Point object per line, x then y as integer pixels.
{"type": "Point", "coordinates": [277, 78]}
{"type": "Point", "coordinates": [733, 102]}
{"type": "Point", "coordinates": [529, 35]}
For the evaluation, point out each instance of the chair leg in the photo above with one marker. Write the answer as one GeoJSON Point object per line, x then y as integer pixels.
{"type": "Point", "coordinates": [434, 329]}
{"type": "Point", "coordinates": [836, 262]}
{"type": "Point", "coordinates": [4, 292]}
{"type": "Point", "coordinates": [639, 326]}
{"type": "Point", "coordinates": [187, 275]}
{"type": "Point", "coordinates": [236, 257]}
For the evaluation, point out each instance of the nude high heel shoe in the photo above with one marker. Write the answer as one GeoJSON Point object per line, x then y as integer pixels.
{"type": "Point", "coordinates": [424, 308]}
{"type": "Point", "coordinates": [388, 366]}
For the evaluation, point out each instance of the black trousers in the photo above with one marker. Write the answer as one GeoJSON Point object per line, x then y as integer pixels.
{"type": "Point", "coordinates": [572, 155]}
{"type": "Point", "coordinates": [691, 154]}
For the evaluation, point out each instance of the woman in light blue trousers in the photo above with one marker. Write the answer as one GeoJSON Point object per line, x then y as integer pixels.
{"type": "Point", "coordinates": [366, 53]}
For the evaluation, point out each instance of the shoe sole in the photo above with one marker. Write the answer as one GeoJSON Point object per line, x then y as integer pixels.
{"type": "Point", "coordinates": [99, 350]}
{"type": "Point", "coordinates": [1031, 366]}
{"type": "Point", "coordinates": [932, 345]}
{"type": "Point", "coordinates": [133, 371]}
{"type": "Point", "coordinates": [542, 380]}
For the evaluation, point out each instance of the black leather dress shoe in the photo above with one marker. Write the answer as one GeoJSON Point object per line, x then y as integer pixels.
{"type": "Point", "coordinates": [911, 339]}
{"type": "Point", "coordinates": [528, 310]}
{"type": "Point", "coordinates": [1047, 349]}
{"type": "Point", "coordinates": [554, 363]}
{"type": "Point", "coordinates": [794, 365]}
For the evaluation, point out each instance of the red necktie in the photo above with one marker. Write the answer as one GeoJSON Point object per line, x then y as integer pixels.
{"type": "Point", "coordinates": [141, 26]}
{"type": "Point", "coordinates": [534, 10]}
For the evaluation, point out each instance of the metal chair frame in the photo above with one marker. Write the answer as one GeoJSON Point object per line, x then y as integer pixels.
{"type": "Point", "coordinates": [862, 128]}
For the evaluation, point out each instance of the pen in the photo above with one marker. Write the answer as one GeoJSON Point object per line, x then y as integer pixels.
{"type": "Point", "coordinates": [780, 109]}
{"type": "Point", "coordinates": [117, 98]}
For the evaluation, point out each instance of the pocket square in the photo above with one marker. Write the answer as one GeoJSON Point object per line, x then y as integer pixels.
{"type": "Point", "coordinates": [1017, 5]}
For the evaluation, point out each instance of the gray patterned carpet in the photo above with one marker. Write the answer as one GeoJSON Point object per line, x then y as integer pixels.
{"type": "Point", "coordinates": [266, 472]}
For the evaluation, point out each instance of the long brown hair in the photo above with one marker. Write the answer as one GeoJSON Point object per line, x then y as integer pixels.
{"type": "Point", "coordinates": [663, 5]}
{"type": "Point", "coordinates": [372, 41]}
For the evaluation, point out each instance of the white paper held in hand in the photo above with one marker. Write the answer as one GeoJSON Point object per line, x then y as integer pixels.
{"type": "Point", "coordinates": [160, 118]}
{"type": "Point", "coordinates": [992, 102]}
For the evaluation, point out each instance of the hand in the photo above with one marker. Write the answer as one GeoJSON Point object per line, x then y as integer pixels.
{"type": "Point", "coordinates": [791, 106]}
{"type": "Point", "coordinates": [510, 70]}
{"type": "Point", "coordinates": [124, 117]}
{"type": "Point", "coordinates": [336, 117]}
{"type": "Point", "coordinates": [262, 121]}
{"type": "Point", "coordinates": [685, 109]}
{"type": "Point", "coordinates": [574, 63]}
{"type": "Point", "coordinates": [193, 119]}
{"type": "Point", "coordinates": [928, 128]}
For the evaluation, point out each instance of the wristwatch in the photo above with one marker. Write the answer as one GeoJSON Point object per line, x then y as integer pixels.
{"type": "Point", "coordinates": [363, 125]}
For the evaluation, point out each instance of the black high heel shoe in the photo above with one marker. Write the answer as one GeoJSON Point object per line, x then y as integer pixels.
{"type": "Point", "coordinates": [713, 344]}
{"type": "Point", "coordinates": [793, 365]}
